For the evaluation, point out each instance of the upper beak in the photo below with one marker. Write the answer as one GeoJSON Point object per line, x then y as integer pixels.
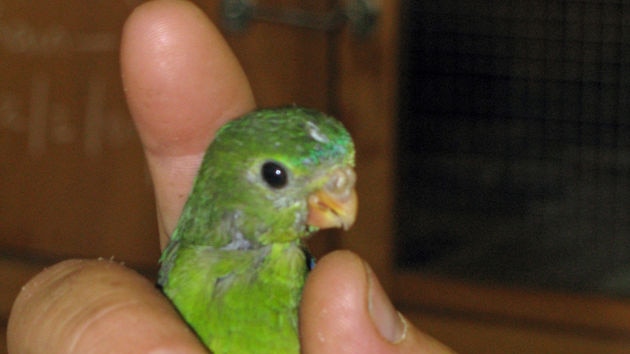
{"type": "Point", "coordinates": [335, 204]}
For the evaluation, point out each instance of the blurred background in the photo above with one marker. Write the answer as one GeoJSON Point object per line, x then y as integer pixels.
{"type": "Point", "coordinates": [493, 147]}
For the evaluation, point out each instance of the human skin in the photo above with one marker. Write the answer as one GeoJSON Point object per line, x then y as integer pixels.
{"type": "Point", "coordinates": [183, 82]}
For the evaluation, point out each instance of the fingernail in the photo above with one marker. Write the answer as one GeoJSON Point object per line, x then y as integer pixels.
{"type": "Point", "coordinates": [389, 322]}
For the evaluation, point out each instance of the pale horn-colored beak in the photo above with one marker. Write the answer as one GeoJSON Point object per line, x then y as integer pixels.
{"type": "Point", "coordinates": [336, 203]}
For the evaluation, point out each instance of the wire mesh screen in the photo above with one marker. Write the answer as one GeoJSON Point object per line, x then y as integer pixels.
{"type": "Point", "coordinates": [514, 142]}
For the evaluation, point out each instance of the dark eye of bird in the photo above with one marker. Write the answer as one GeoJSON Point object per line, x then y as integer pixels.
{"type": "Point", "coordinates": [274, 174]}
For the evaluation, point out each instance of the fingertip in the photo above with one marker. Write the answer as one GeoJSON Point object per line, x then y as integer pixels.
{"type": "Point", "coordinates": [31, 303]}
{"type": "Point", "coordinates": [182, 82]}
{"type": "Point", "coordinates": [181, 79]}
{"type": "Point", "coordinates": [333, 313]}
{"type": "Point", "coordinates": [96, 306]}
{"type": "Point", "coordinates": [345, 310]}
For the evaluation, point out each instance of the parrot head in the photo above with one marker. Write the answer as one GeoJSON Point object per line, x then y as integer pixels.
{"type": "Point", "coordinates": [273, 175]}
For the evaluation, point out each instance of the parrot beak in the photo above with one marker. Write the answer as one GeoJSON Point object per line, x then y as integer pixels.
{"type": "Point", "coordinates": [335, 204]}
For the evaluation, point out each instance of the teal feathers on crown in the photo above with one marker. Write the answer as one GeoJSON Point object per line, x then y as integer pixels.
{"type": "Point", "coordinates": [307, 135]}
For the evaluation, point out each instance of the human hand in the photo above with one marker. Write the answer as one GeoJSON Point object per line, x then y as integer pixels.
{"type": "Point", "coordinates": [182, 83]}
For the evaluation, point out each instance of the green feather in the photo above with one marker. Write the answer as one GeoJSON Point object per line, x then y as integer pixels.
{"type": "Point", "coordinates": [235, 265]}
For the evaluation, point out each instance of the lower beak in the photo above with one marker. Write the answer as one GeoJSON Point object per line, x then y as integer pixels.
{"type": "Point", "coordinates": [335, 204]}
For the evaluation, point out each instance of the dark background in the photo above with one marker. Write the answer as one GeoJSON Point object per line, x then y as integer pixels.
{"type": "Point", "coordinates": [514, 142]}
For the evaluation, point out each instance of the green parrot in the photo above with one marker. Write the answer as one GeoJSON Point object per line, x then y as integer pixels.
{"type": "Point", "coordinates": [236, 262]}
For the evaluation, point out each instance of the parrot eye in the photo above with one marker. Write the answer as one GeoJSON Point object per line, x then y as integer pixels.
{"type": "Point", "coordinates": [274, 174]}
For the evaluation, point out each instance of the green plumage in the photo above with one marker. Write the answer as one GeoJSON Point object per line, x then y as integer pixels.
{"type": "Point", "coordinates": [235, 265]}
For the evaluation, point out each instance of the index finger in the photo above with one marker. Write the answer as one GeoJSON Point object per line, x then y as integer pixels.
{"type": "Point", "coordinates": [182, 82]}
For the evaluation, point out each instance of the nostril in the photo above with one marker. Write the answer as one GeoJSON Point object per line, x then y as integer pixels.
{"type": "Point", "coordinates": [341, 182]}
{"type": "Point", "coordinates": [350, 175]}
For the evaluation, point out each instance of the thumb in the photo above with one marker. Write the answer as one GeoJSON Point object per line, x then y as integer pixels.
{"type": "Point", "coordinates": [345, 310]}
